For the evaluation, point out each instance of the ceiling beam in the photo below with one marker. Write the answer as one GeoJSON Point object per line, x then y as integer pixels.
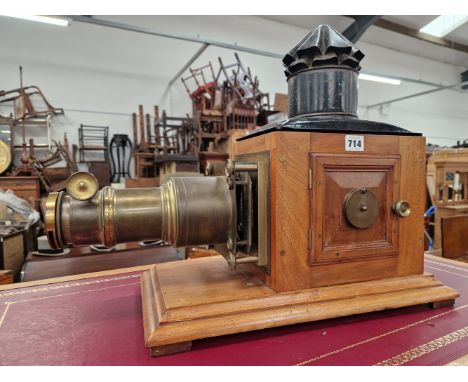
{"type": "Point", "coordinates": [177, 36]}
{"type": "Point", "coordinates": [419, 94]}
{"type": "Point", "coordinates": [407, 31]}
{"type": "Point", "coordinates": [361, 23]}
{"type": "Point", "coordinates": [188, 63]}
{"type": "Point", "coordinates": [206, 42]}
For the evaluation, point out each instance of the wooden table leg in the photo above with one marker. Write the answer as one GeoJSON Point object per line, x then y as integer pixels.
{"type": "Point", "coordinates": [442, 304]}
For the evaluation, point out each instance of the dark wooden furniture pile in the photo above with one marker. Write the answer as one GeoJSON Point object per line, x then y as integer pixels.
{"type": "Point", "coordinates": [227, 100]}
{"type": "Point", "coordinates": [165, 145]}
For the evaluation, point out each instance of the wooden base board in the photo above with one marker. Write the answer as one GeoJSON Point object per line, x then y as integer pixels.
{"type": "Point", "coordinates": [201, 298]}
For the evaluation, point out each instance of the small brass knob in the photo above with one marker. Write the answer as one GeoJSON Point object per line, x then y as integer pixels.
{"type": "Point", "coordinates": [402, 208]}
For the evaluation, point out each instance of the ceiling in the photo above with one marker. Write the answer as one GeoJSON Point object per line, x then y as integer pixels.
{"type": "Point", "coordinates": [392, 40]}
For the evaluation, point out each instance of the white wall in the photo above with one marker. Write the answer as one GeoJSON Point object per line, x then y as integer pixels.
{"type": "Point", "coordinates": [92, 68]}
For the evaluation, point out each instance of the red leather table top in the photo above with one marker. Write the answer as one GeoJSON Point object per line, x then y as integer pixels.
{"type": "Point", "coordinates": [98, 321]}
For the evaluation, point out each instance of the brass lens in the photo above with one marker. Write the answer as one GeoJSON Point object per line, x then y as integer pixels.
{"type": "Point", "coordinates": [183, 211]}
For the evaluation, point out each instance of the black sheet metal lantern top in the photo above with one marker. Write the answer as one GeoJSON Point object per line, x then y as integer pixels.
{"type": "Point", "coordinates": [322, 71]}
{"type": "Point", "coordinates": [322, 47]}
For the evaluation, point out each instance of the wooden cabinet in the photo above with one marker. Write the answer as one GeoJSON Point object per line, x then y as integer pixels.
{"type": "Point", "coordinates": [446, 211]}
{"type": "Point", "coordinates": [12, 252]}
{"type": "Point", "coordinates": [312, 242]}
{"type": "Point", "coordinates": [447, 182]}
{"type": "Point", "coordinates": [25, 187]}
{"type": "Point", "coordinates": [454, 240]}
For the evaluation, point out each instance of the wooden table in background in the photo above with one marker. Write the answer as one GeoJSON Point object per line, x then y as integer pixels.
{"type": "Point", "coordinates": [84, 260]}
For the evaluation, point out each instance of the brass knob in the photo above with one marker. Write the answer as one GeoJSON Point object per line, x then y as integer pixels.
{"type": "Point", "coordinates": [402, 208]}
{"type": "Point", "coordinates": [82, 185]}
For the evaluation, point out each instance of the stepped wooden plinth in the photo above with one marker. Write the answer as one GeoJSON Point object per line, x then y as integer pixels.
{"type": "Point", "coordinates": [201, 298]}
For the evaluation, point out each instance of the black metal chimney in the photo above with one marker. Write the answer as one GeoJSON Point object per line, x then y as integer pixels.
{"type": "Point", "coordinates": [322, 71]}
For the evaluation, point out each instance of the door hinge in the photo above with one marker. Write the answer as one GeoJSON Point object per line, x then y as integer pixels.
{"type": "Point", "coordinates": [310, 178]}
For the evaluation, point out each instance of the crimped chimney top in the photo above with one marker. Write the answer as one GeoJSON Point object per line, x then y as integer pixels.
{"type": "Point", "coordinates": [321, 47]}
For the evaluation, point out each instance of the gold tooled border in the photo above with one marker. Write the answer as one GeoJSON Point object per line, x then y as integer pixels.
{"type": "Point", "coordinates": [371, 339]}
{"type": "Point", "coordinates": [67, 285]}
{"type": "Point", "coordinates": [426, 348]}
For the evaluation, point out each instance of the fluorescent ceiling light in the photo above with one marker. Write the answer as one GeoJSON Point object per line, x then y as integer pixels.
{"type": "Point", "coordinates": [385, 80]}
{"type": "Point", "coordinates": [443, 25]}
{"type": "Point", "coordinates": [44, 19]}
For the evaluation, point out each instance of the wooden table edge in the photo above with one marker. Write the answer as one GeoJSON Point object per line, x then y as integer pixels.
{"type": "Point", "coordinates": [445, 260]}
{"type": "Point", "coordinates": [75, 277]}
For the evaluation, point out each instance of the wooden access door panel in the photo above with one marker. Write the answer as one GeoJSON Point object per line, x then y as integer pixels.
{"type": "Point", "coordinates": [333, 238]}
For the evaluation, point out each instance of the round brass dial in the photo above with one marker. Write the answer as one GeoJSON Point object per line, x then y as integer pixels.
{"type": "Point", "coordinates": [361, 208]}
{"type": "Point", "coordinates": [82, 185]}
{"type": "Point", "coordinates": [5, 157]}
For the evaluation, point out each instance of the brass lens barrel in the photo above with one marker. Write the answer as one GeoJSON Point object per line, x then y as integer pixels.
{"type": "Point", "coordinates": [183, 211]}
{"type": "Point", "coordinates": [197, 210]}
